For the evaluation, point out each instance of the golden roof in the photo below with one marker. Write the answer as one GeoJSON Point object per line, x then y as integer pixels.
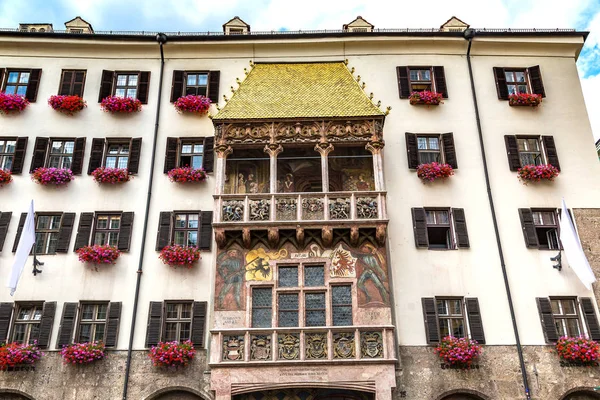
{"type": "Point", "coordinates": [303, 90]}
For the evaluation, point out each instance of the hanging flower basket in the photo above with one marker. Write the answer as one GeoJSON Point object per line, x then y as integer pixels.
{"type": "Point", "coordinates": [83, 353]}
{"type": "Point", "coordinates": [67, 104]}
{"type": "Point", "coordinates": [5, 177]}
{"type": "Point", "coordinates": [434, 171]}
{"type": "Point", "coordinates": [121, 105]}
{"type": "Point", "coordinates": [187, 174]}
{"type": "Point", "coordinates": [536, 173]}
{"type": "Point", "coordinates": [111, 175]}
{"type": "Point", "coordinates": [12, 103]}
{"type": "Point", "coordinates": [14, 354]}
{"type": "Point", "coordinates": [179, 255]}
{"type": "Point", "coordinates": [172, 354]}
{"type": "Point", "coordinates": [458, 352]}
{"type": "Point", "coordinates": [98, 254]}
{"type": "Point", "coordinates": [525, 99]}
{"type": "Point", "coordinates": [52, 176]}
{"type": "Point", "coordinates": [579, 350]}
{"type": "Point", "coordinates": [192, 104]}
{"type": "Point", "coordinates": [426, 97]}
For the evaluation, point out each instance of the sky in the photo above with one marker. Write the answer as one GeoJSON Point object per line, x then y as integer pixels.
{"type": "Point", "coordinates": [266, 15]}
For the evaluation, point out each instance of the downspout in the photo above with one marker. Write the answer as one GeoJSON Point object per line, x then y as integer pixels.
{"type": "Point", "coordinates": [161, 38]}
{"type": "Point", "coordinates": [469, 34]}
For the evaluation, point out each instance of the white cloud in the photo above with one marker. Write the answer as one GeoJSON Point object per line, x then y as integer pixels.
{"type": "Point", "coordinates": [591, 88]}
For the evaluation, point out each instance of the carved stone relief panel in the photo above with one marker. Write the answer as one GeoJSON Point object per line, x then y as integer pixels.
{"type": "Point", "coordinates": [344, 345]}
{"type": "Point", "coordinates": [289, 346]}
{"type": "Point", "coordinates": [233, 348]}
{"type": "Point", "coordinates": [371, 345]}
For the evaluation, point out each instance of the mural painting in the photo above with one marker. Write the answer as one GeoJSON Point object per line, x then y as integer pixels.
{"type": "Point", "coordinates": [257, 263]}
{"type": "Point", "coordinates": [229, 288]}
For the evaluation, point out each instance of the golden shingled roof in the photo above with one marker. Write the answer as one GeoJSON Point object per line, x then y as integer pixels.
{"type": "Point", "coordinates": [303, 90]}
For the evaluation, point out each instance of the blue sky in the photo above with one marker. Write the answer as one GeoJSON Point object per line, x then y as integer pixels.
{"type": "Point", "coordinates": [201, 16]}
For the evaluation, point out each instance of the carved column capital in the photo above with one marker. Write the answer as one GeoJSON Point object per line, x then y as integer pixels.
{"type": "Point", "coordinates": [273, 237]}
{"type": "Point", "coordinates": [381, 234]}
{"type": "Point", "coordinates": [354, 235]}
{"type": "Point", "coordinates": [375, 146]}
{"type": "Point", "coordinates": [223, 150]}
{"type": "Point", "coordinates": [246, 237]}
{"type": "Point", "coordinates": [300, 236]}
{"type": "Point", "coordinates": [327, 236]}
{"type": "Point", "coordinates": [273, 149]}
{"type": "Point", "coordinates": [220, 238]}
{"type": "Point", "coordinates": [324, 148]}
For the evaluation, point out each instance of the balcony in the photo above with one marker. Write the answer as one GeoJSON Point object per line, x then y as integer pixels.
{"type": "Point", "coordinates": [292, 345]}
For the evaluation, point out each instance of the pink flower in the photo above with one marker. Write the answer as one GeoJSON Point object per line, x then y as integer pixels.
{"type": "Point", "coordinates": [426, 97]}
{"type": "Point", "coordinates": [83, 353]}
{"type": "Point", "coordinates": [52, 176]}
{"type": "Point", "coordinates": [97, 254]}
{"type": "Point", "coordinates": [193, 104]}
{"type": "Point", "coordinates": [5, 177]}
{"type": "Point", "coordinates": [525, 99]}
{"type": "Point", "coordinates": [125, 105]}
{"type": "Point", "coordinates": [12, 103]}
{"type": "Point", "coordinates": [179, 255]}
{"type": "Point", "coordinates": [578, 349]}
{"type": "Point", "coordinates": [459, 352]}
{"type": "Point", "coordinates": [432, 171]}
{"type": "Point", "coordinates": [172, 354]}
{"type": "Point", "coordinates": [111, 175]}
{"type": "Point", "coordinates": [536, 173]}
{"type": "Point", "coordinates": [67, 104]}
{"type": "Point", "coordinates": [13, 354]}
{"type": "Point", "coordinates": [187, 174]}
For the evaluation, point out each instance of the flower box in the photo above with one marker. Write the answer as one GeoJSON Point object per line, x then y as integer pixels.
{"type": "Point", "coordinates": [458, 352]}
{"type": "Point", "coordinates": [525, 99]}
{"type": "Point", "coordinates": [536, 173]}
{"type": "Point", "coordinates": [67, 104]}
{"type": "Point", "coordinates": [52, 176]}
{"type": "Point", "coordinates": [187, 174]}
{"type": "Point", "coordinates": [172, 354]}
{"type": "Point", "coordinates": [5, 177]}
{"type": "Point", "coordinates": [192, 104]}
{"type": "Point", "coordinates": [12, 103]}
{"type": "Point", "coordinates": [83, 353]}
{"type": "Point", "coordinates": [426, 97]}
{"type": "Point", "coordinates": [97, 254]}
{"type": "Point", "coordinates": [122, 105]}
{"type": "Point", "coordinates": [179, 255]}
{"type": "Point", "coordinates": [111, 175]}
{"type": "Point", "coordinates": [434, 171]}
{"type": "Point", "coordinates": [579, 350]}
{"type": "Point", "coordinates": [14, 354]}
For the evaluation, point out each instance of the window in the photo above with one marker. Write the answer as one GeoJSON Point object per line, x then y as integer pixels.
{"type": "Point", "coordinates": [17, 82]}
{"type": "Point", "coordinates": [566, 317]}
{"type": "Point", "coordinates": [72, 83]}
{"type": "Point", "coordinates": [350, 169]}
{"type": "Point", "coordinates": [518, 80]}
{"type": "Point", "coordinates": [126, 85]}
{"type": "Point", "coordinates": [451, 317]}
{"type": "Point", "coordinates": [107, 229]}
{"type": "Point", "coordinates": [561, 316]}
{"type": "Point", "coordinates": [530, 151]}
{"type": "Point", "coordinates": [117, 155]}
{"type": "Point", "coordinates": [133, 84]}
{"type": "Point", "coordinates": [92, 322]}
{"type": "Point", "coordinates": [236, 31]}
{"type": "Point", "coordinates": [248, 171]}
{"type": "Point", "coordinates": [191, 153]}
{"type": "Point", "coordinates": [341, 304]}
{"type": "Point", "coordinates": [7, 153]}
{"type": "Point", "coordinates": [262, 307]}
{"type": "Point", "coordinates": [178, 322]}
{"type": "Point", "coordinates": [61, 153]}
{"type": "Point", "coordinates": [546, 229]}
{"type": "Point", "coordinates": [186, 229]}
{"type": "Point", "coordinates": [195, 152]}
{"type": "Point", "coordinates": [47, 229]}
{"type": "Point", "coordinates": [440, 228]}
{"type": "Point", "coordinates": [298, 170]}
{"type": "Point", "coordinates": [196, 83]}
{"type": "Point", "coordinates": [429, 149]}
{"type": "Point", "coordinates": [26, 328]}
{"type": "Point", "coordinates": [420, 79]}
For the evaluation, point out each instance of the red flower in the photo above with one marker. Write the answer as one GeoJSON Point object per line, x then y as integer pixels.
{"type": "Point", "coordinates": [83, 353]}
{"type": "Point", "coordinates": [124, 105]}
{"type": "Point", "coordinates": [432, 171]}
{"type": "Point", "coordinates": [536, 173]}
{"type": "Point", "coordinates": [187, 174]}
{"type": "Point", "coordinates": [67, 104]}
{"type": "Point", "coordinates": [172, 354]}
{"type": "Point", "coordinates": [13, 354]}
{"type": "Point", "coordinates": [98, 254]}
{"type": "Point", "coordinates": [12, 103]}
{"type": "Point", "coordinates": [525, 99]}
{"type": "Point", "coordinates": [179, 255]}
{"type": "Point", "coordinates": [578, 349]}
{"type": "Point", "coordinates": [193, 104]}
{"type": "Point", "coordinates": [111, 175]}
{"type": "Point", "coordinates": [52, 176]}
{"type": "Point", "coordinates": [5, 177]}
{"type": "Point", "coordinates": [458, 352]}
{"type": "Point", "coordinates": [426, 97]}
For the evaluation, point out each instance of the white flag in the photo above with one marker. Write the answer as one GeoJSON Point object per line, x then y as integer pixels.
{"type": "Point", "coordinates": [23, 249]}
{"type": "Point", "coordinates": [573, 250]}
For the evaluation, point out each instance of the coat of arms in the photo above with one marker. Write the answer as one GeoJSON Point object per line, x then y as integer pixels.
{"type": "Point", "coordinates": [316, 345]}
{"type": "Point", "coordinates": [260, 347]}
{"type": "Point", "coordinates": [371, 344]}
{"type": "Point", "coordinates": [289, 347]}
{"type": "Point", "coordinates": [233, 348]}
{"type": "Point", "coordinates": [343, 345]}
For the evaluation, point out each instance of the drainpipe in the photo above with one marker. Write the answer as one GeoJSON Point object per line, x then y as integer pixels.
{"type": "Point", "coordinates": [161, 38]}
{"type": "Point", "coordinates": [469, 34]}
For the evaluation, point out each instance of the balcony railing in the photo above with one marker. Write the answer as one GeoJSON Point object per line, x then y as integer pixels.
{"type": "Point", "coordinates": [301, 207]}
{"type": "Point", "coordinates": [314, 344]}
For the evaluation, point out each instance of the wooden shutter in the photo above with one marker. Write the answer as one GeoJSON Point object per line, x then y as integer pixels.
{"type": "Point", "coordinates": [78, 83]}
{"type": "Point", "coordinates": [547, 319]}
{"type": "Point", "coordinates": [412, 151]}
{"type": "Point", "coordinates": [46, 324]}
{"type": "Point", "coordinates": [39, 153]}
{"type": "Point", "coordinates": [501, 87]}
{"type": "Point", "coordinates": [214, 78]}
{"type": "Point", "coordinates": [96, 155]}
{"type": "Point", "coordinates": [78, 153]}
{"type": "Point", "coordinates": [2, 73]}
{"type": "Point", "coordinates": [154, 323]}
{"type": "Point", "coordinates": [535, 77]}
{"type": "Point", "coordinates": [551, 154]}
{"type": "Point", "coordinates": [86, 220]}
{"type": "Point", "coordinates": [198, 323]}
{"type": "Point", "coordinates": [474, 316]}
{"type": "Point", "coordinates": [33, 85]}
{"type": "Point", "coordinates": [440, 81]}
{"type": "Point", "coordinates": [531, 240]}
{"type": "Point", "coordinates": [171, 154]}
{"type": "Point", "coordinates": [19, 158]}
{"type": "Point", "coordinates": [589, 314]}
{"type": "Point", "coordinates": [64, 88]}
{"type": "Point", "coordinates": [209, 154]}
{"type": "Point", "coordinates": [67, 325]}
{"type": "Point", "coordinates": [420, 227]}
{"type": "Point", "coordinates": [64, 234]}
{"type": "Point", "coordinates": [134, 155]}
{"type": "Point", "coordinates": [177, 86]}
{"type": "Point", "coordinates": [19, 230]}
{"type": "Point", "coordinates": [143, 87]}
{"type": "Point", "coordinates": [106, 84]}
{"type": "Point", "coordinates": [449, 150]}
{"type": "Point", "coordinates": [205, 230]}
{"type": "Point", "coordinates": [432, 331]}
{"type": "Point", "coordinates": [4, 222]}
{"type": "Point", "coordinates": [5, 317]}
{"type": "Point", "coordinates": [512, 151]}
{"type": "Point", "coordinates": [403, 84]}
{"type": "Point", "coordinates": [125, 232]}
{"type": "Point", "coordinates": [164, 230]}
{"type": "Point", "coordinates": [460, 226]}
{"type": "Point", "coordinates": [111, 331]}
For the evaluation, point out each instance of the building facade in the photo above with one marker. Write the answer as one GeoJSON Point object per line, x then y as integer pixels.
{"type": "Point", "coordinates": [328, 268]}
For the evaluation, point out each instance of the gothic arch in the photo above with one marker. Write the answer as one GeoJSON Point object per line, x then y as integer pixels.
{"type": "Point", "coordinates": [178, 393]}
{"type": "Point", "coordinates": [462, 394]}
{"type": "Point", "coordinates": [581, 393]}
{"type": "Point", "coordinates": [14, 394]}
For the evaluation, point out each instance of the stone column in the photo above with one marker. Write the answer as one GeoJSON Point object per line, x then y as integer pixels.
{"type": "Point", "coordinates": [324, 149]}
{"type": "Point", "coordinates": [376, 148]}
{"type": "Point", "coordinates": [222, 152]}
{"type": "Point", "coordinates": [273, 149]}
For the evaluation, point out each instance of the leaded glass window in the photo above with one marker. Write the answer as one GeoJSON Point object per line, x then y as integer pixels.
{"type": "Point", "coordinates": [341, 305]}
{"type": "Point", "coordinates": [314, 276]}
{"type": "Point", "coordinates": [314, 307]}
{"type": "Point", "coordinates": [288, 309]}
{"type": "Point", "coordinates": [288, 276]}
{"type": "Point", "coordinates": [262, 306]}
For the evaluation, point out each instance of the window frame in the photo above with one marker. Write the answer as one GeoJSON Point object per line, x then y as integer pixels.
{"type": "Point", "coordinates": [72, 83]}
{"type": "Point", "coordinates": [115, 86]}
{"type": "Point", "coordinates": [576, 316]}
{"type": "Point", "coordinates": [49, 153]}
{"type": "Point", "coordinates": [47, 231]}
{"type": "Point", "coordinates": [453, 245]}
{"type": "Point", "coordinates": [555, 226]}
{"type": "Point", "coordinates": [431, 81]}
{"type": "Point", "coordinates": [463, 317]}
{"type": "Point", "coordinates": [174, 229]}
{"type": "Point", "coordinates": [527, 82]}
{"type": "Point", "coordinates": [108, 230]}
{"type": "Point", "coordinates": [4, 154]}
{"type": "Point", "coordinates": [119, 142]}
{"type": "Point", "coordinates": [94, 322]}
{"type": "Point", "coordinates": [18, 305]}
{"type": "Point", "coordinates": [178, 320]}
{"type": "Point", "coordinates": [543, 155]}
{"type": "Point", "coordinates": [440, 150]}
{"type": "Point", "coordinates": [193, 72]}
{"type": "Point", "coordinates": [17, 84]}
{"type": "Point", "coordinates": [193, 141]}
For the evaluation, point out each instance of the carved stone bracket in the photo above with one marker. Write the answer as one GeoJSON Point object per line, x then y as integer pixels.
{"type": "Point", "coordinates": [273, 237]}
{"type": "Point", "coordinates": [375, 147]}
{"type": "Point", "coordinates": [324, 148]}
{"type": "Point", "coordinates": [354, 235]}
{"type": "Point", "coordinates": [273, 149]}
{"type": "Point", "coordinates": [220, 238]}
{"type": "Point", "coordinates": [223, 150]}
{"type": "Point", "coordinates": [381, 234]}
{"type": "Point", "coordinates": [327, 236]}
{"type": "Point", "coordinates": [300, 236]}
{"type": "Point", "coordinates": [246, 237]}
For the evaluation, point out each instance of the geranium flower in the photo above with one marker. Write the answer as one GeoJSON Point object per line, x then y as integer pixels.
{"type": "Point", "coordinates": [52, 176]}
{"type": "Point", "coordinates": [179, 255]}
{"type": "Point", "coordinates": [13, 354]}
{"type": "Point", "coordinates": [577, 349]}
{"type": "Point", "coordinates": [97, 254]}
{"type": "Point", "coordinates": [67, 104]}
{"type": "Point", "coordinates": [432, 171]}
{"type": "Point", "coordinates": [525, 99]}
{"type": "Point", "coordinates": [187, 174]}
{"type": "Point", "coordinates": [5, 177]}
{"type": "Point", "coordinates": [458, 352]}
{"type": "Point", "coordinates": [193, 104]}
{"type": "Point", "coordinates": [125, 105]}
{"type": "Point", "coordinates": [172, 354]}
{"type": "Point", "coordinates": [111, 175]}
{"type": "Point", "coordinates": [536, 173]}
{"type": "Point", "coordinates": [12, 103]}
{"type": "Point", "coordinates": [83, 353]}
{"type": "Point", "coordinates": [426, 97]}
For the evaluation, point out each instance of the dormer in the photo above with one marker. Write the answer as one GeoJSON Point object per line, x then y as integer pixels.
{"type": "Point", "coordinates": [78, 25]}
{"type": "Point", "coordinates": [358, 25]}
{"type": "Point", "coordinates": [236, 26]}
{"type": "Point", "coordinates": [454, 25]}
{"type": "Point", "coordinates": [41, 27]}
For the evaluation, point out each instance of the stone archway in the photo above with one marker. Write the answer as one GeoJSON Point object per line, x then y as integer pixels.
{"type": "Point", "coordinates": [178, 395]}
{"type": "Point", "coordinates": [13, 395]}
{"type": "Point", "coordinates": [462, 394]}
{"type": "Point", "coordinates": [582, 395]}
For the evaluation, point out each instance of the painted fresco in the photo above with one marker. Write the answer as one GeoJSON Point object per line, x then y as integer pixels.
{"type": "Point", "coordinates": [257, 263]}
